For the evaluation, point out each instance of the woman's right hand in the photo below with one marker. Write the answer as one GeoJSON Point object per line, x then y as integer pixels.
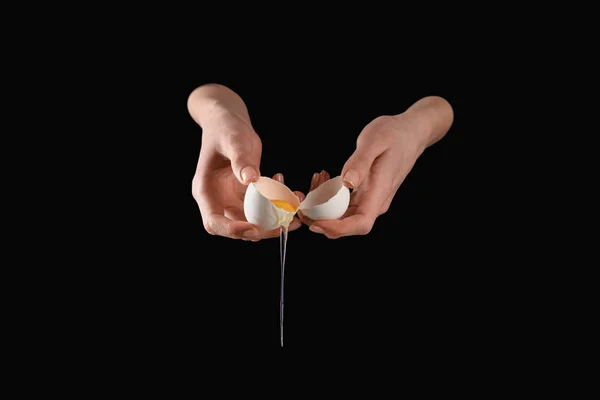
{"type": "Point", "coordinates": [229, 160]}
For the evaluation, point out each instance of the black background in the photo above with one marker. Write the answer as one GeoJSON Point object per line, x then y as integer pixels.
{"type": "Point", "coordinates": [430, 276]}
{"type": "Point", "coordinates": [422, 276]}
{"type": "Point", "coordinates": [137, 279]}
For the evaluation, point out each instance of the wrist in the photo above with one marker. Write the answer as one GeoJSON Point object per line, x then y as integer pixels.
{"type": "Point", "coordinates": [212, 112]}
{"type": "Point", "coordinates": [213, 102]}
{"type": "Point", "coordinates": [417, 128]}
{"type": "Point", "coordinates": [429, 118]}
{"type": "Point", "coordinates": [204, 109]}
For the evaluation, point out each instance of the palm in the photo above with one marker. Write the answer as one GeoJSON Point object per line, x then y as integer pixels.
{"type": "Point", "coordinates": [360, 196]}
{"type": "Point", "coordinates": [225, 193]}
{"type": "Point", "coordinates": [219, 181]}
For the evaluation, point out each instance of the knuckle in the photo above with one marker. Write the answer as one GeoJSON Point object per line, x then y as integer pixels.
{"type": "Point", "coordinates": [241, 146]}
{"type": "Point", "coordinates": [235, 136]}
{"type": "Point", "coordinates": [334, 233]}
{"type": "Point", "coordinates": [383, 120]}
{"type": "Point", "coordinates": [358, 161]}
{"type": "Point", "coordinates": [256, 142]}
{"type": "Point", "coordinates": [379, 130]}
{"type": "Point", "coordinates": [239, 156]}
{"type": "Point", "coordinates": [364, 231]}
{"type": "Point", "coordinates": [234, 142]}
{"type": "Point", "coordinates": [209, 227]}
{"type": "Point", "coordinates": [226, 230]}
{"type": "Point", "coordinates": [385, 208]}
{"type": "Point", "coordinates": [243, 138]}
{"type": "Point", "coordinates": [372, 139]}
{"type": "Point", "coordinates": [196, 189]}
{"type": "Point", "coordinates": [360, 139]}
{"type": "Point", "coordinates": [365, 228]}
{"type": "Point", "coordinates": [367, 138]}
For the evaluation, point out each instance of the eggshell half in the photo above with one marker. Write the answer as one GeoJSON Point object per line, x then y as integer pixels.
{"type": "Point", "coordinates": [328, 201]}
{"type": "Point", "coordinates": [258, 208]}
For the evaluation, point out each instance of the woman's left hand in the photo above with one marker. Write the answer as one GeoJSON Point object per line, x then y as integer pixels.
{"type": "Point", "coordinates": [386, 151]}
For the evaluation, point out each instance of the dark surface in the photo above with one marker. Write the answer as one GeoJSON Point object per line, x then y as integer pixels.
{"type": "Point", "coordinates": [137, 282]}
{"type": "Point", "coordinates": [424, 277]}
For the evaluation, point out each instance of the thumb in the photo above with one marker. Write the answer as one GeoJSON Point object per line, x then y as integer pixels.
{"type": "Point", "coordinates": [244, 151]}
{"type": "Point", "coordinates": [359, 164]}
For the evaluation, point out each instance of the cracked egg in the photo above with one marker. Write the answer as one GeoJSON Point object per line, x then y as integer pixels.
{"type": "Point", "coordinates": [270, 204]}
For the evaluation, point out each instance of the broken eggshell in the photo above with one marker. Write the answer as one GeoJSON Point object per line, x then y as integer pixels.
{"type": "Point", "coordinates": [258, 208]}
{"type": "Point", "coordinates": [328, 201]}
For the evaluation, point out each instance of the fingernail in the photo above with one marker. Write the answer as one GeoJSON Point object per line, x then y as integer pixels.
{"type": "Point", "coordinates": [250, 234]}
{"type": "Point", "coordinates": [350, 177]}
{"type": "Point", "coordinates": [316, 229]}
{"type": "Point", "coordinates": [249, 174]}
{"type": "Point", "coordinates": [279, 178]}
{"type": "Point", "coordinates": [300, 197]}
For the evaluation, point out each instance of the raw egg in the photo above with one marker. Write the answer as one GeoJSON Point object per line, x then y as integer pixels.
{"type": "Point", "coordinates": [270, 204]}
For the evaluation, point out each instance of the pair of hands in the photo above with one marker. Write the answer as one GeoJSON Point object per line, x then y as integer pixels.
{"type": "Point", "coordinates": [229, 160]}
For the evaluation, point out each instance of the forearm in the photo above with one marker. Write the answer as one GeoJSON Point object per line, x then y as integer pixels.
{"type": "Point", "coordinates": [210, 100]}
{"type": "Point", "coordinates": [430, 119]}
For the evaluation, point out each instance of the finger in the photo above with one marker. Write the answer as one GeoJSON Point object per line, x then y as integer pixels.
{"type": "Point", "coordinates": [243, 149]}
{"type": "Point", "coordinates": [319, 179]}
{"type": "Point", "coordinates": [308, 221]}
{"type": "Point", "coordinates": [237, 214]}
{"type": "Point", "coordinates": [304, 219]}
{"type": "Point", "coordinates": [313, 181]}
{"type": "Point", "coordinates": [220, 225]}
{"type": "Point", "coordinates": [324, 177]}
{"type": "Point", "coordinates": [378, 188]}
{"type": "Point", "coordinates": [216, 223]}
{"type": "Point", "coordinates": [300, 195]}
{"type": "Point", "coordinates": [359, 164]}
{"type": "Point", "coordinates": [373, 195]}
{"type": "Point", "coordinates": [386, 204]}
{"type": "Point", "coordinates": [357, 224]}
{"type": "Point", "coordinates": [295, 224]}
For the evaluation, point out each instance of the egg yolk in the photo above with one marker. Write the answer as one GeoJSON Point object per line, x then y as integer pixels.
{"type": "Point", "coordinates": [284, 205]}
